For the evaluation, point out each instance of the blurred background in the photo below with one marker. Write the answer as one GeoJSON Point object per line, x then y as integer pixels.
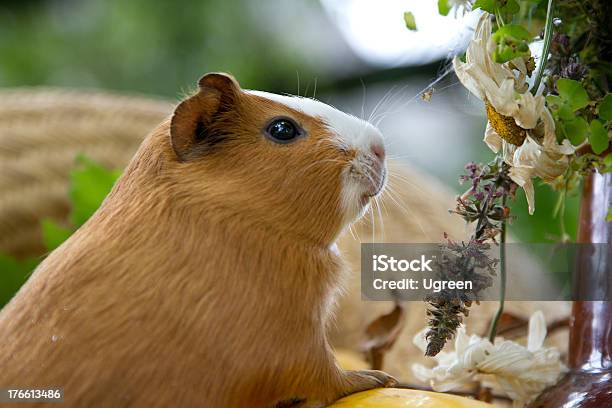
{"type": "Point", "coordinates": [354, 54]}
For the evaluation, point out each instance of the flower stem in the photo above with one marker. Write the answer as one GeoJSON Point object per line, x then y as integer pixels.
{"type": "Point", "coordinates": [498, 18]}
{"type": "Point", "coordinates": [502, 273]}
{"type": "Point", "coordinates": [548, 31]}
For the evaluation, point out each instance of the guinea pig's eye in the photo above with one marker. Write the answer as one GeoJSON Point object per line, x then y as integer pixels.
{"type": "Point", "coordinates": [282, 130]}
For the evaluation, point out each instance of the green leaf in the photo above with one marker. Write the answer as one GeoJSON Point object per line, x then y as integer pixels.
{"type": "Point", "coordinates": [598, 137]}
{"type": "Point", "coordinates": [566, 113]}
{"type": "Point", "coordinates": [409, 21]}
{"type": "Point", "coordinates": [607, 164]}
{"type": "Point", "coordinates": [605, 107]}
{"type": "Point", "coordinates": [576, 130]}
{"type": "Point", "coordinates": [486, 5]}
{"type": "Point", "coordinates": [511, 7]}
{"type": "Point", "coordinates": [560, 132]}
{"type": "Point", "coordinates": [512, 42]}
{"type": "Point", "coordinates": [573, 92]}
{"type": "Point", "coordinates": [513, 31]}
{"type": "Point", "coordinates": [504, 53]}
{"type": "Point", "coordinates": [554, 101]}
{"type": "Point", "coordinates": [14, 273]}
{"type": "Point", "coordinates": [609, 216]}
{"type": "Point", "coordinates": [443, 7]}
{"type": "Point", "coordinates": [89, 185]}
{"type": "Point", "coordinates": [53, 234]}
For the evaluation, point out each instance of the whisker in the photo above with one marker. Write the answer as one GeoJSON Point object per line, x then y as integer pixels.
{"type": "Point", "coordinates": [356, 233]}
{"type": "Point", "coordinates": [363, 99]}
{"type": "Point", "coordinates": [383, 204]}
{"type": "Point", "coordinates": [297, 73]}
{"type": "Point", "coordinates": [393, 100]}
{"type": "Point", "coordinates": [407, 210]}
{"type": "Point", "coordinates": [381, 102]}
{"type": "Point", "coordinates": [399, 156]}
{"type": "Point", "coordinates": [380, 217]}
{"type": "Point", "coordinates": [350, 228]}
{"type": "Point", "coordinates": [406, 180]}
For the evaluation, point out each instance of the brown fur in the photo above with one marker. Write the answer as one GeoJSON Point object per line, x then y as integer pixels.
{"type": "Point", "coordinates": [206, 278]}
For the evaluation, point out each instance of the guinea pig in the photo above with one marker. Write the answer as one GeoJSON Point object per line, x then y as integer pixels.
{"type": "Point", "coordinates": [208, 276]}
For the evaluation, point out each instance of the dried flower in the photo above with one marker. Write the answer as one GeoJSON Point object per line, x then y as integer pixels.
{"type": "Point", "coordinates": [574, 69]}
{"type": "Point", "coordinates": [482, 202]}
{"type": "Point", "coordinates": [457, 262]}
{"type": "Point", "coordinates": [522, 372]}
{"type": "Point", "coordinates": [560, 45]}
{"type": "Point", "coordinates": [537, 157]}
{"type": "Point", "coordinates": [445, 316]}
{"type": "Point", "coordinates": [519, 126]}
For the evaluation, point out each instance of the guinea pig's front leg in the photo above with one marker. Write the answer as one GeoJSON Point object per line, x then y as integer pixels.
{"type": "Point", "coordinates": [353, 382]}
{"type": "Point", "coordinates": [350, 383]}
{"type": "Point", "coordinates": [362, 380]}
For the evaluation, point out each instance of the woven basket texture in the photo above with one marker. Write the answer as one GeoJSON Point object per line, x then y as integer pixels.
{"type": "Point", "coordinates": [42, 130]}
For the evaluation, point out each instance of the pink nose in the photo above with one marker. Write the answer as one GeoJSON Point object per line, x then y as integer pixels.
{"type": "Point", "coordinates": [378, 150]}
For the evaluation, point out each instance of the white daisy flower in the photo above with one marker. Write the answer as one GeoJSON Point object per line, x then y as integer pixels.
{"type": "Point", "coordinates": [519, 124]}
{"type": "Point", "coordinates": [520, 372]}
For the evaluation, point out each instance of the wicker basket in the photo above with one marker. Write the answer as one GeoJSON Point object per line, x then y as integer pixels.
{"type": "Point", "coordinates": [41, 132]}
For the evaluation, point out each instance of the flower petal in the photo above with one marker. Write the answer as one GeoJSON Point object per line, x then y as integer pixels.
{"type": "Point", "coordinates": [527, 154]}
{"type": "Point", "coordinates": [537, 331]}
{"type": "Point", "coordinates": [420, 341]}
{"type": "Point", "coordinates": [501, 96]}
{"type": "Point", "coordinates": [462, 340]}
{"type": "Point", "coordinates": [522, 177]}
{"type": "Point", "coordinates": [530, 194]}
{"type": "Point", "coordinates": [550, 166]}
{"type": "Point", "coordinates": [422, 373]}
{"type": "Point", "coordinates": [492, 139]}
{"type": "Point", "coordinates": [519, 63]}
{"type": "Point", "coordinates": [466, 79]}
{"type": "Point", "coordinates": [529, 110]}
{"type": "Point", "coordinates": [449, 384]}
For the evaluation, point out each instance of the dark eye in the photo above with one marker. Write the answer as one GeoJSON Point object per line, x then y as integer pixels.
{"type": "Point", "coordinates": [282, 130]}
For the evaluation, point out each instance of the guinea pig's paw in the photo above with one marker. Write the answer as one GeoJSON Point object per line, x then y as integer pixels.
{"type": "Point", "coordinates": [363, 380]}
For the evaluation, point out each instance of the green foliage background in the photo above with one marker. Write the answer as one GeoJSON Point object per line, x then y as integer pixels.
{"type": "Point", "coordinates": [155, 47]}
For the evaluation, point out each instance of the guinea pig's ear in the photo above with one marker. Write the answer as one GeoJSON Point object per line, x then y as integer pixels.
{"type": "Point", "coordinates": [191, 133]}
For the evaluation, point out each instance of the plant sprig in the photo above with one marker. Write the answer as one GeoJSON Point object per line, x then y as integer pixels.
{"type": "Point", "coordinates": [483, 204]}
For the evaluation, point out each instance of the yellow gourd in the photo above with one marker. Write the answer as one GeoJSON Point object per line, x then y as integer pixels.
{"type": "Point", "coordinates": [404, 398]}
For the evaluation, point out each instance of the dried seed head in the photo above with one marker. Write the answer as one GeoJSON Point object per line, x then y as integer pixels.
{"type": "Point", "coordinates": [506, 127]}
